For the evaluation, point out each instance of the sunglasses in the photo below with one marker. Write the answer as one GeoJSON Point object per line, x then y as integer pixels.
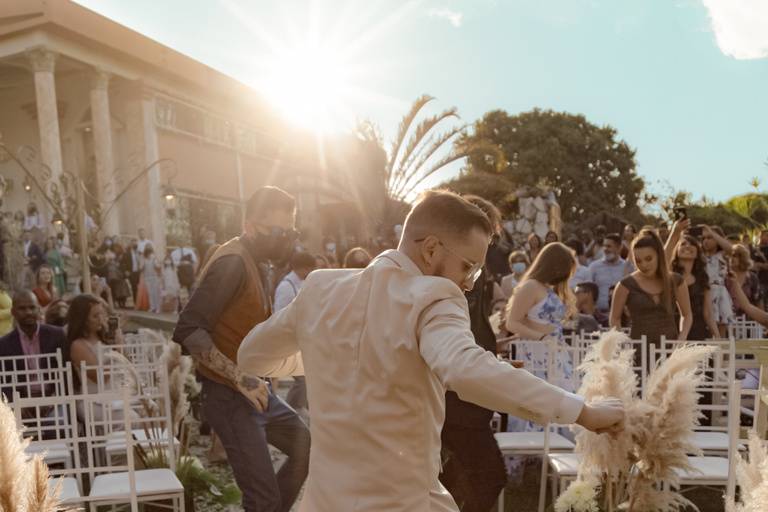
{"type": "Point", "coordinates": [475, 269]}
{"type": "Point", "coordinates": [291, 234]}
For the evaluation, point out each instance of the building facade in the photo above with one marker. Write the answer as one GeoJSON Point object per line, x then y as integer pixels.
{"type": "Point", "coordinates": [83, 96]}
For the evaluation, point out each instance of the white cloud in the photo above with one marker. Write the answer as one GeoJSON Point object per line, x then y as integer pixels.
{"type": "Point", "coordinates": [740, 26]}
{"type": "Point", "coordinates": [453, 17]}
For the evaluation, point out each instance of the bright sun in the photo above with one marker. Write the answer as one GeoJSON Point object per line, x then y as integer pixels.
{"type": "Point", "coordinates": [309, 86]}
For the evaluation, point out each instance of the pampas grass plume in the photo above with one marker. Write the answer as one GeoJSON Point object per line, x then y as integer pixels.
{"type": "Point", "coordinates": [13, 463]}
{"type": "Point", "coordinates": [752, 477]}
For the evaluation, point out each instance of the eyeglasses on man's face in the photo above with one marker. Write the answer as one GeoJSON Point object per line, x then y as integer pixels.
{"type": "Point", "coordinates": [474, 270]}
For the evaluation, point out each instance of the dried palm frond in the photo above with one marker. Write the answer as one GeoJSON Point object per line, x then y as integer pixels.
{"type": "Point", "coordinates": [752, 477]}
{"type": "Point", "coordinates": [14, 475]}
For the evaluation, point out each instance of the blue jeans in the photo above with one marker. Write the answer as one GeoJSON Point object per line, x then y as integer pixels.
{"type": "Point", "coordinates": [245, 434]}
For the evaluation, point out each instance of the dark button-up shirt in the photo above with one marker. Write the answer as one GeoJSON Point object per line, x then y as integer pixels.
{"type": "Point", "coordinates": [220, 285]}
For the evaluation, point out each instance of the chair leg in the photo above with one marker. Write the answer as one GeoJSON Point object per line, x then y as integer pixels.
{"type": "Point", "coordinates": [543, 484]}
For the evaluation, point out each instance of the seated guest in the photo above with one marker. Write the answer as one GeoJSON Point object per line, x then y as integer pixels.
{"type": "Point", "coordinates": [30, 337]}
{"type": "Point", "coordinates": [586, 302]}
{"type": "Point", "coordinates": [582, 273]}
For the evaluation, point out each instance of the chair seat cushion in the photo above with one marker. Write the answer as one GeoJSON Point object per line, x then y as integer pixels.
{"type": "Point", "coordinates": [70, 491]}
{"type": "Point", "coordinates": [705, 468]}
{"type": "Point", "coordinates": [531, 442]}
{"type": "Point", "coordinates": [148, 482]}
{"type": "Point", "coordinates": [565, 464]}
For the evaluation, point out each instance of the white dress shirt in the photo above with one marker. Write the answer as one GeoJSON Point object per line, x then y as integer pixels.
{"type": "Point", "coordinates": [287, 290]}
{"type": "Point", "coordinates": [380, 347]}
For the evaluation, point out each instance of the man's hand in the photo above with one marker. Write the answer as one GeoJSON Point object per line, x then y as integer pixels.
{"type": "Point", "coordinates": [255, 390]}
{"type": "Point", "coordinates": [604, 416]}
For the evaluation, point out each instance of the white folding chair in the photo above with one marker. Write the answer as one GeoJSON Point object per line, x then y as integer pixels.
{"type": "Point", "coordinates": [549, 439]}
{"type": "Point", "coordinates": [55, 437]}
{"type": "Point", "coordinates": [712, 470]}
{"type": "Point", "coordinates": [137, 353]}
{"type": "Point", "coordinates": [34, 375]}
{"type": "Point", "coordinates": [150, 398]}
{"type": "Point", "coordinates": [114, 482]}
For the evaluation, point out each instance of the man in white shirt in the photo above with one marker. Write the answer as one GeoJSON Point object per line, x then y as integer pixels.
{"type": "Point", "coordinates": [381, 347]}
{"type": "Point", "coordinates": [302, 264]}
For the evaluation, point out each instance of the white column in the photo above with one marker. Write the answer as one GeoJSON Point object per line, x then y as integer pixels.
{"type": "Point", "coordinates": [156, 204]}
{"type": "Point", "coordinates": [43, 63]}
{"type": "Point", "coordinates": [102, 145]}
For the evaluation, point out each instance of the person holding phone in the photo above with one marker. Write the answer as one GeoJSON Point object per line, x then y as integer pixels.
{"type": "Point", "coordinates": [715, 247]}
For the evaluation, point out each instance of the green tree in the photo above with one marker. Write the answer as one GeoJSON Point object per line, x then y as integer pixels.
{"type": "Point", "coordinates": [587, 166]}
{"type": "Point", "coordinates": [419, 150]}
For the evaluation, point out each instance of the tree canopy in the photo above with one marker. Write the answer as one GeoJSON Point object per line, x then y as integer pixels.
{"type": "Point", "coordinates": [587, 166]}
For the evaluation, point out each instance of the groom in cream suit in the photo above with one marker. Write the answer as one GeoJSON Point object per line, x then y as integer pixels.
{"type": "Point", "coordinates": [380, 346]}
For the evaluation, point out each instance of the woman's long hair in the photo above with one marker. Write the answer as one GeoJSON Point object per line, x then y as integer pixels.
{"type": "Point", "coordinates": [699, 269]}
{"type": "Point", "coordinates": [49, 287]}
{"type": "Point", "coordinates": [647, 238]}
{"type": "Point", "coordinates": [77, 320]}
{"type": "Point", "coordinates": [554, 266]}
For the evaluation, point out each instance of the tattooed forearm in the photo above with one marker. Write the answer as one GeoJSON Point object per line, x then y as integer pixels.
{"type": "Point", "coordinates": [218, 363]}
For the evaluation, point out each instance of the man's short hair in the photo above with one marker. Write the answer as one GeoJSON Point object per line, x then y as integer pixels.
{"type": "Point", "coordinates": [303, 260]}
{"type": "Point", "coordinates": [489, 209]}
{"type": "Point", "coordinates": [267, 199]}
{"type": "Point", "coordinates": [576, 245]}
{"type": "Point", "coordinates": [613, 237]}
{"type": "Point", "coordinates": [591, 288]}
{"type": "Point", "coordinates": [441, 212]}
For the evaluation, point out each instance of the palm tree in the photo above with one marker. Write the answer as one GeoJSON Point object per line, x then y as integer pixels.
{"type": "Point", "coordinates": [410, 163]}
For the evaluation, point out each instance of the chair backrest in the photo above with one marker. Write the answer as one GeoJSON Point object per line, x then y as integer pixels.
{"type": "Point", "coordinates": [734, 436]}
{"type": "Point", "coordinates": [718, 376]}
{"type": "Point", "coordinates": [149, 408]}
{"type": "Point", "coordinates": [34, 375]}
{"type": "Point", "coordinates": [51, 423]}
{"type": "Point", "coordinates": [745, 329]}
{"type": "Point", "coordinates": [138, 353]}
{"type": "Point", "coordinates": [581, 344]}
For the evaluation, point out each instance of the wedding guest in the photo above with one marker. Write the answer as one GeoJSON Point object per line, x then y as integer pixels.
{"type": "Point", "coordinates": [357, 258]}
{"type": "Point", "coordinates": [629, 234]}
{"type": "Point", "coordinates": [582, 273]}
{"type": "Point", "coordinates": [741, 272]}
{"type": "Point", "coordinates": [6, 318]}
{"type": "Point", "coordinates": [609, 270]}
{"type": "Point", "coordinates": [533, 246]}
{"type": "Point", "coordinates": [30, 337]}
{"type": "Point", "coordinates": [44, 289]}
{"type": "Point", "coordinates": [55, 261]}
{"type": "Point", "coordinates": [688, 261]}
{"type": "Point", "coordinates": [151, 273]}
{"type": "Point", "coordinates": [540, 304]}
{"type": "Point", "coordinates": [518, 263]}
{"type": "Point", "coordinates": [652, 294]}
{"type": "Point", "coordinates": [550, 237]}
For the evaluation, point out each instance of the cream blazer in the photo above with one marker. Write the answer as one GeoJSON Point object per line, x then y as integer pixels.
{"type": "Point", "coordinates": [380, 346]}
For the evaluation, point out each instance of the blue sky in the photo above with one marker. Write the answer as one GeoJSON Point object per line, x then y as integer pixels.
{"type": "Point", "coordinates": [692, 99]}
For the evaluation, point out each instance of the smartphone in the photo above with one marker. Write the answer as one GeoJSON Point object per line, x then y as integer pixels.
{"type": "Point", "coordinates": [112, 325]}
{"type": "Point", "coordinates": [696, 231]}
{"type": "Point", "coordinates": [680, 212]}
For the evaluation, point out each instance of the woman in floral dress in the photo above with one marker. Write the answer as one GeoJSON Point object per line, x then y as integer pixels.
{"type": "Point", "coordinates": [536, 312]}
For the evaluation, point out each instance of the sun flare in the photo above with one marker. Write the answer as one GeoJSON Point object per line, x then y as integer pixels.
{"type": "Point", "coordinates": [309, 86]}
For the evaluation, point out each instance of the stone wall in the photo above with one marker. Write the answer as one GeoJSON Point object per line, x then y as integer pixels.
{"type": "Point", "coordinates": [536, 214]}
